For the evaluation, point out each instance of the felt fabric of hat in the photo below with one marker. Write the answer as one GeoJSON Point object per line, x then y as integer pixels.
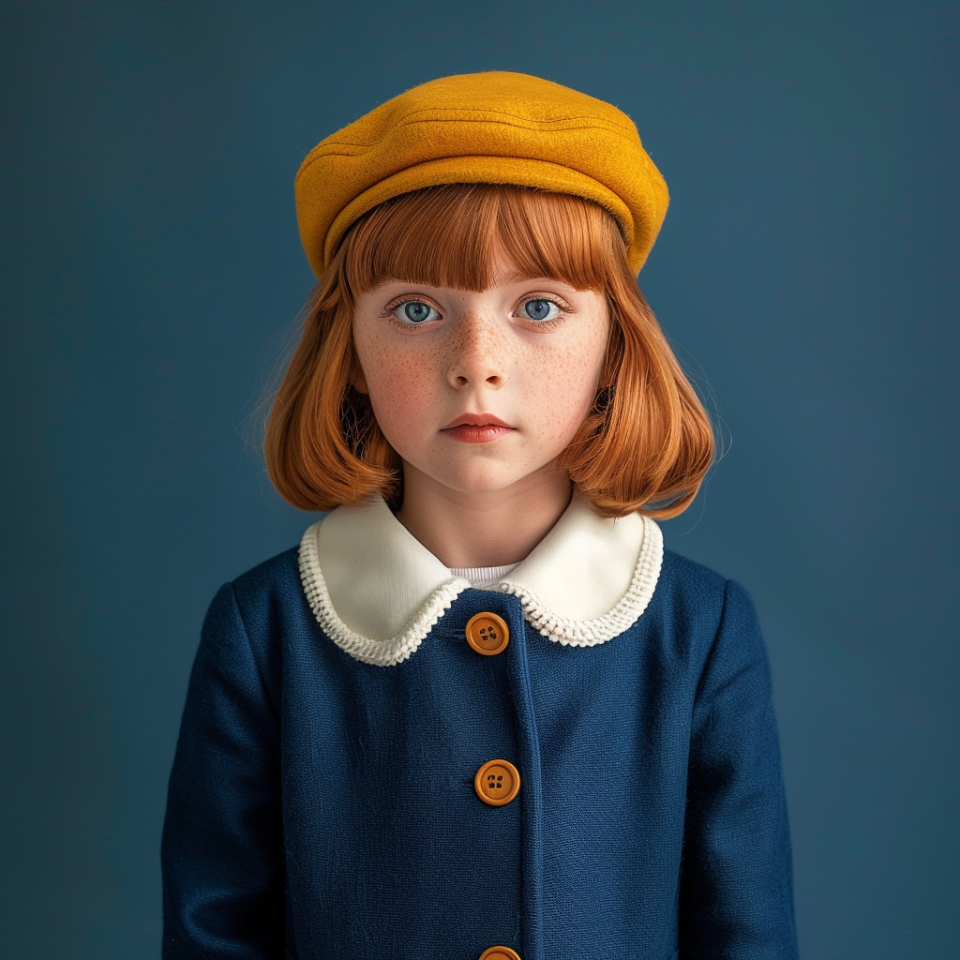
{"type": "Point", "coordinates": [494, 127]}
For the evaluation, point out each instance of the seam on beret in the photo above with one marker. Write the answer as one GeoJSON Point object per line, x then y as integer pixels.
{"type": "Point", "coordinates": [619, 131]}
{"type": "Point", "coordinates": [514, 116]}
{"type": "Point", "coordinates": [309, 161]}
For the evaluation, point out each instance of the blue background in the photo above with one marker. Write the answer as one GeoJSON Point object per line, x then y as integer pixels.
{"type": "Point", "coordinates": [151, 276]}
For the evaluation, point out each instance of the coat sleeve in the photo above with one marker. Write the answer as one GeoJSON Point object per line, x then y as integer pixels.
{"type": "Point", "coordinates": [736, 895]}
{"type": "Point", "coordinates": [222, 850]}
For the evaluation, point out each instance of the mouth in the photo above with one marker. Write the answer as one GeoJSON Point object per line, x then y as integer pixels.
{"type": "Point", "coordinates": [476, 428]}
{"type": "Point", "coordinates": [477, 420]}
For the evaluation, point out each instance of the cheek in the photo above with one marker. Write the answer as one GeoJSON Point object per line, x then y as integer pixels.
{"type": "Point", "coordinates": [400, 388]}
{"type": "Point", "coordinates": [568, 388]}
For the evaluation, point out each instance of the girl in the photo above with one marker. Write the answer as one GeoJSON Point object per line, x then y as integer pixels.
{"type": "Point", "coordinates": [481, 713]}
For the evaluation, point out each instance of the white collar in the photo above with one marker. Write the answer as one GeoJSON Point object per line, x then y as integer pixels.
{"type": "Point", "coordinates": [377, 591]}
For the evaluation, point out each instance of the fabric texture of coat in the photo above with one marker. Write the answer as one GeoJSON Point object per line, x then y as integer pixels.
{"type": "Point", "coordinates": [322, 801]}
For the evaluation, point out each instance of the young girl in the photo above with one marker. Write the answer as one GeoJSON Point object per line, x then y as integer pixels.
{"type": "Point", "coordinates": [481, 713]}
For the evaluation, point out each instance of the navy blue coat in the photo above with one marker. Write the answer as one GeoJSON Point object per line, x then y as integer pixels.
{"type": "Point", "coordinates": [321, 807]}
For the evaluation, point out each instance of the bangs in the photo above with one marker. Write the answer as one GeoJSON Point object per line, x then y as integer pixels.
{"type": "Point", "coordinates": [450, 236]}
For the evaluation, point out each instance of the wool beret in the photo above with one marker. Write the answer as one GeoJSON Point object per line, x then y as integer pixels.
{"type": "Point", "coordinates": [496, 127]}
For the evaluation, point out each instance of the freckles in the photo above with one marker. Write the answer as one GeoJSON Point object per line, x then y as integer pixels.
{"type": "Point", "coordinates": [568, 383]}
{"type": "Point", "coordinates": [473, 334]}
{"type": "Point", "coordinates": [401, 382]}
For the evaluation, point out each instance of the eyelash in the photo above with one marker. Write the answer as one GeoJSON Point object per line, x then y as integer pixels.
{"type": "Point", "coordinates": [390, 312]}
{"type": "Point", "coordinates": [559, 304]}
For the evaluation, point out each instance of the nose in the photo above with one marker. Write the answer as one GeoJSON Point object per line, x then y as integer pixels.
{"type": "Point", "coordinates": [476, 353]}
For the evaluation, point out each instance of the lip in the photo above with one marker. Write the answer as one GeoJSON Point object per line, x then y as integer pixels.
{"type": "Point", "coordinates": [476, 420]}
{"type": "Point", "coordinates": [476, 428]}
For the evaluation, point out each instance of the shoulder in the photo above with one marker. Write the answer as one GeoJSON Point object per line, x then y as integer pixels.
{"type": "Point", "coordinates": [277, 577]}
{"type": "Point", "coordinates": [690, 573]}
{"type": "Point", "coordinates": [259, 607]}
{"type": "Point", "coordinates": [697, 606]}
{"type": "Point", "coordinates": [691, 586]}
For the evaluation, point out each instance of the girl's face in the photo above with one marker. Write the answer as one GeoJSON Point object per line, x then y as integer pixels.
{"type": "Point", "coordinates": [480, 391]}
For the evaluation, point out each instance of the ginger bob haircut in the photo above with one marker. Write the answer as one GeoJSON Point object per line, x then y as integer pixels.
{"type": "Point", "coordinates": [646, 445]}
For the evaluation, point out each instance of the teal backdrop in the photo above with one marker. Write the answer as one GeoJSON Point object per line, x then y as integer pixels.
{"type": "Point", "coordinates": [151, 273]}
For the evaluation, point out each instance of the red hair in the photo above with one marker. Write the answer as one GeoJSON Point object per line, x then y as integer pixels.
{"type": "Point", "coordinates": [647, 444]}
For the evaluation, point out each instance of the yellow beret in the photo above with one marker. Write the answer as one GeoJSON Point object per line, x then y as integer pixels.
{"type": "Point", "coordinates": [481, 128]}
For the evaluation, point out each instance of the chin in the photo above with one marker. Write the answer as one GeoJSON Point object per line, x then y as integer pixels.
{"type": "Point", "coordinates": [481, 486]}
{"type": "Point", "coordinates": [479, 481]}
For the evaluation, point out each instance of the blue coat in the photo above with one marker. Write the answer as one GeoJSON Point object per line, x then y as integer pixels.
{"type": "Point", "coordinates": [323, 807]}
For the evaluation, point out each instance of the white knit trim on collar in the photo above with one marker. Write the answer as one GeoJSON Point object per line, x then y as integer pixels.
{"type": "Point", "coordinates": [377, 592]}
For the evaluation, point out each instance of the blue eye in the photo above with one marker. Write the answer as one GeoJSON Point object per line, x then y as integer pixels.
{"type": "Point", "coordinates": [415, 311]}
{"type": "Point", "coordinates": [540, 310]}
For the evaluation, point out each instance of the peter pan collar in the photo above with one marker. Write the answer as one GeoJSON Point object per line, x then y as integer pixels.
{"type": "Point", "coordinates": [377, 591]}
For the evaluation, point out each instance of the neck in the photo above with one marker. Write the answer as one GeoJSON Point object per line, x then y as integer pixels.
{"type": "Point", "coordinates": [488, 529]}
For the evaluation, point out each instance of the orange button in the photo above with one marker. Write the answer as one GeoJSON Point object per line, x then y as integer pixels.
{"type": "Point", "coordinates": [497, 782]}
{"type": "Point", "coordinates": [487, 634]}
{"type": "Point", "coordinates": [499, 953]}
